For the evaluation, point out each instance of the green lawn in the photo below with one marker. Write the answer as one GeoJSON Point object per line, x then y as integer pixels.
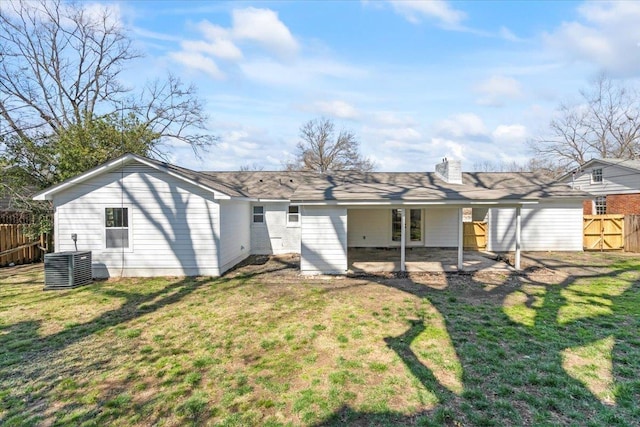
{"type": "Point", "coordinates": [265, 346]}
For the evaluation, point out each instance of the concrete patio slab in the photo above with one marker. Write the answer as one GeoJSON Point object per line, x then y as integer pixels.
{"type": "Point", "coordinates": [378, 260]}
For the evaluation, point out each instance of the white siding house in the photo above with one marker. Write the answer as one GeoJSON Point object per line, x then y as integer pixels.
{"type": "Point", "coordinates": [141, 217]}
{"type": "Point", "coordinates": [274, 232]}
{"type": "Point", "coordinates": [548, 226]}
{"type": "Point", "coordinates": [324, 240]}
{"type": "Point", "coordinates": [441, 227]}
{"type": "Point", "coordinates": [173, 228]}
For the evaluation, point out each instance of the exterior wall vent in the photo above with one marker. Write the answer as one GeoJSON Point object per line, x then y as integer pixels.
{"type": "Point", "coordinates": [64, 270]}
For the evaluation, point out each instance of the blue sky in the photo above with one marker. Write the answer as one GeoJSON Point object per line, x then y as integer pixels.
{"type": "Point", "coordinates": [416, 81]}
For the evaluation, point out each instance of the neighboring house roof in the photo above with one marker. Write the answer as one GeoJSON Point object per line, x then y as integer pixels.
{"type": "Point", "coordinates": [302, 186]}
{"type": "Point", "coordinates": [427, 186]}
{"type": "Point", "coordinates": [632, 164]}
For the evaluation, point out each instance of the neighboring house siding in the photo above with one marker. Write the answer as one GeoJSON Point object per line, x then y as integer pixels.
{"type": "Point", "coordinates": [323, 240]}
{"type": "Point", "coordinates": [274, 235]}
{"type": "Point", "coordinates": [548, 226]}
{"type": "Point", "coordinates": [173, 228]}
{"type": "Point", "coordinates": [615, 180]}
{"type": "Point", "coordinates": [369, 227]}
{"type": "Point", "coordinates": [441, 227]}
{"type": "Point", "coordinates": [620, 185]}
{"type": "Point", "coordinates": [235, 240]}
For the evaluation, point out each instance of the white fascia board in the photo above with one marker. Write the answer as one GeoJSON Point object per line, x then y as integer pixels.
{"type": "Point", "coordinates": [258, 200]}
{"type": "Point", "coordinates": [418, 203]}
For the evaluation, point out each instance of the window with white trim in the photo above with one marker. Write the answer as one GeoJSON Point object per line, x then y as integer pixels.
{"type": "Point", "coordinates": [258, 214]}
{"type": "Point", "coordinates": [596, 175]}
{"type": "Point", "coordinates": [293, 215]}
{"type": "Point", "coordinates": [116, 225]}
{"type": "Point", "coordinates": [600, 205]}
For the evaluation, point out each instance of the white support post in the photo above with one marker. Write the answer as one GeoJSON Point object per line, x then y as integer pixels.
{"type": "Point", "coordinates": [460, 241]}
{"type": "Point", "coordinates": [403, 238]}
{"type": "Point", "coordinates": [516, 262]}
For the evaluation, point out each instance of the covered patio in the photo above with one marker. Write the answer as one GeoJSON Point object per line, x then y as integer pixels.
{"type": "Point", "coordinates": [421, 259]}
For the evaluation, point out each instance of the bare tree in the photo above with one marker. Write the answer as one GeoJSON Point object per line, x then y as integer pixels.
{"type": "Point", "coordinates": [606, 123]}
{"type": "Point", "coordinates": [542, 166]}
{"type": "Point", "coordinates": [60, 67]}
{"type": "Point", "coordinates": [252, 167]}
{"type": "Point", "coordinates": [321, 150]}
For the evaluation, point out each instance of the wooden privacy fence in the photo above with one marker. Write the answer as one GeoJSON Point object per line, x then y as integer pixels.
{"type": "Point", "coordinates": [475, 235]}
{"type": "Point", "coordinates": [603, 232]}
{"type": "Point", "coordinates": [632, 233]}
{"type": "Point", "coordinates": [17, 248]}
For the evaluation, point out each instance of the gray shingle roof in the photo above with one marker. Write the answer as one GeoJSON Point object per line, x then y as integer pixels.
{"type": "Point", "coordinates": [276, 185]}
{"type": "Point", "coordinates": [301, 186]}
{"type": "Point", "coordinates": [427, 186]}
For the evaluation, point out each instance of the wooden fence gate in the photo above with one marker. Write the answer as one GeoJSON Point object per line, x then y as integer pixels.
{"type": "Point", "coordinates": [17, 248]}
{"type": "Point", "coordinates": [603, 232]}
{"type": "Point", "coordinates": [475, 235]}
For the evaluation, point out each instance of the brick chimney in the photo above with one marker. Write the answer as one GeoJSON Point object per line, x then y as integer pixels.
{"type": "Point", "coordinates": [450, 171]}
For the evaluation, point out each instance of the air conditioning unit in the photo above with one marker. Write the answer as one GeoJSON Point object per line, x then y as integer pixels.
{"type": "Point", "coordinates": [64, 270]}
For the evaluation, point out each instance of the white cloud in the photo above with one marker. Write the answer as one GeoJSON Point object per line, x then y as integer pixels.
{"type": "Point", "coordinates": [416, 11]}
{"type": "Point", "coordinates": [461, 125]}
{"type": "Point", "coordinates": [386, 118]}
{"type": "Point", "coordinates": [509, 134]}
{"type": "Point", "coordinates": [241, 145]}
{"type": "Point", "coordinates": [264, 27]}
{"type": "Point", "coordinates": [250, 25]}
{"type": "Point", "coordinates": [336, 108]}
{"type": "Point", "coordinates": [224, 49]}
{"type": "Point", "coordinates": [218, 42]}
{"type": "Point", "coordinates": [301, 73]}
{"type": "Point", "coordinates": [197, 61]}
{"type": "Point", "coordinates": [110, 13]}
{"type": "Point", "coordinates": [509, 35]}
{"type": "Point", "coordinates": [607, 35]}
{"type": "Point", "coordinates": [495, 90]}
{"type": "Point", "coordinates": [448, 148]}
{"type": "Point", "coordinates": [407, 134]}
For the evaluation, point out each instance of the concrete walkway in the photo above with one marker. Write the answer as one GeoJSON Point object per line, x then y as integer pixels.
{"type": "Point", "coordinates": [377, 260]}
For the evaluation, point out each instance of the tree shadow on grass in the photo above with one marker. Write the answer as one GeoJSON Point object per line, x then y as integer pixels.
{"type": "Point", "coordinates": [30, 368]}
{"type": "Point", "coordinates": [518, 374]}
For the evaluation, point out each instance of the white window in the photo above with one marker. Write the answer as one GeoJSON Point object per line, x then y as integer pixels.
{"type": "Point", "coordinates": [293, 215]}
{"type": "Point", "coordinates": [116, 224]}
{"type": "Point", "coordinates": [258, 214]}
{"type": "Point", "coordinates": [600, 205]}
{"type": "Point", "coordinates": [596, 175]}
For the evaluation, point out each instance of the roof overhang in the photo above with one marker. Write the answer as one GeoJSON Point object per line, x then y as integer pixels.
{"type": "Point", "coordinates": [393, 203]}
{"type": "Point", "coordinates": [121, 161]}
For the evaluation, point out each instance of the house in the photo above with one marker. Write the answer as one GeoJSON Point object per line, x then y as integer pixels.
{"type": "Point", "coordinates": [143, 217]}
{"type": "Point", "coordinates": [613, 183]}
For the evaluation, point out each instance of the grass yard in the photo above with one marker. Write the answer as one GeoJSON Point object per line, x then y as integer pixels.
{"type": "Point", "coordinates": [555, 345]}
